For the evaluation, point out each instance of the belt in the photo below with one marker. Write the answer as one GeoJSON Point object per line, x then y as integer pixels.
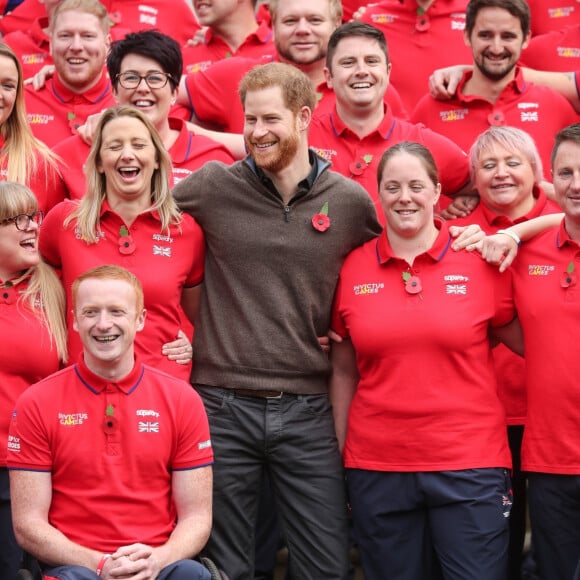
{"type": "Point", "coordinates": [258, 394]}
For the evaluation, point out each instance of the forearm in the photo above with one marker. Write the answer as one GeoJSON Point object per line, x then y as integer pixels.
{"type": "Point", "coordinates": [234, 142]}
{"type": "Point", "coordinates": [528, 229]}
{"type": "Point", "coordinates": [562, 82]}
{"type": "Point", "coordinates": [49, 545]}
{"type": "Point", "coordinates": [342, 386]}
{"type": "Point", "coordinates": [186, 541]}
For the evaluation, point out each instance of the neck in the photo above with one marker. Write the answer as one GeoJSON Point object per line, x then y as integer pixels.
{"type": "Point", "coordinates": [80, 90]}
{"type": "Point", "coordinates": [573, 229]}
{"type": "Point", "coordinates": [361, 121]}
{"type": "Point", "coordinates": [286, 181]}
{"type": "Point", "coordinates": [408, 248]}
{"type": "Point", "coordinates": [110, 370]}
{"type": "Point", "coordinates": [167, 134]}
{"type": "Point", "coordinates": [235, 31]}
{"type": "Point", "coordinates": [314, 71]}
{"type": "Point", "coordinates": [128, 210]}
{"type": "Point", "coordinates": [486, 88]}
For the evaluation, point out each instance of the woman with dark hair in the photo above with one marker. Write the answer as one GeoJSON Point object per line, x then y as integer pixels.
{"type": "Point", "coordinates": [413, 391]}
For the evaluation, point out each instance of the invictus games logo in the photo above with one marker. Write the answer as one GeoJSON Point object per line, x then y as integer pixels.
{"type": "Point", "coordinates": [540, 269]}
{"type": "Point", "coordinates": [369, 288]}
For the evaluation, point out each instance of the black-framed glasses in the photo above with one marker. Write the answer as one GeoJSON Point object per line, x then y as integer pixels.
{"type": "Point", "coordinates": [154, 79]}
{"type": "Point", "coordinates": [22, 221]}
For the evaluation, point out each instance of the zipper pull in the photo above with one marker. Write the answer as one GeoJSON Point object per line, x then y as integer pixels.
{"type": "Point", "coordinates": [286, 213]}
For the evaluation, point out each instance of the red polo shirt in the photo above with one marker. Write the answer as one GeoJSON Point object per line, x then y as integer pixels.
{"type": "Point", "coordinates": [161, 427]}
{"type": "Point", "coordinates": [538, 110]}
{"type": "Point", "coordinates": [558, 50]}
{"type": "Point", "coordinates": [550, 313]}
{"type": "Point", "coordinates": [54, 112]}
{"type": "Point", "coordinates": [427, 395]}
{"type": "Point", "coordinates": [214, 48]}
{"type": "Point", "coordinates": [418, 44]}
{"type": "Point", "coordinates": [510, 369]}
{"type": "Point", "coordinates": [359, 158]}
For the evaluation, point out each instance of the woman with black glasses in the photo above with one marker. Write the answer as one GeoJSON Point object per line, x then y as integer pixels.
{"type": "Point", "coordinates": [32, 330]}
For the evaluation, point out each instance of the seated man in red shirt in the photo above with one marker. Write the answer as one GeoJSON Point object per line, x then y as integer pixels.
{"type": "Point", "coordinates": [111, 459]}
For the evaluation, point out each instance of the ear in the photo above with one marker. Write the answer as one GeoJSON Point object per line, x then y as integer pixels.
{"type": "Point", "coordinates": [527, 40]}
{"type": "Point", "coordinates": [466, 38]}
{"type": "Point", "coordinates": [303, 118]}
{"type": "Point", "coordinates": [328, 77]}
{"type": "Point", "coordinates": [141, 320]}
{"type": "Point", "coordinates": [75, 323]}
{"type": "Point", "coordinates": [174, 95]}
{"type": "Point", "coordinates": [437, 194]}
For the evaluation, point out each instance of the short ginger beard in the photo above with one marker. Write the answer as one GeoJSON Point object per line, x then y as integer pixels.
{"type": "Point", "coordinates": [287, 56]}
{"type": "Point", "coordinates": [276, 162]}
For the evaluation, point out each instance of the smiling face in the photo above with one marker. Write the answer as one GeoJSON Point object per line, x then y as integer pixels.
{"type": "Point", "coordinates": [566, 179]}
{"type": "Point", "coordinates": [505, 179]}
{"type": "Point", "coordinates": [496, 42]}
{"type": "Point", "coordinates": [359, 74]}
{"type": "Point", "coordinates": [128, 159]}
{"type": "Point", "coordinates": [8, 87]}
{"type": "Point", "coordinates": [18, 249]}
{"type": "Point", "coordinates": [271, 130]}
{"type": "Point", "coordinates": [153, 103]}
{"type": "Point", "coordinates": [107, 318]}
{"type": "Point", "coordinates": [302, 29]}
{"type": "Point", "coordinates": [78, 47]}
{"type": "Point", "coordinates": [408, 195]}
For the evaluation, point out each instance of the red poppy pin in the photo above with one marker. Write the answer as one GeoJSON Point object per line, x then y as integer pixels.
{"type": "Point", "coordinates": [110, 422]}
{"type": "Point", "coordinates": [126, 242]}
{"type": "Point", "coordinates": [412, 283]}
{"type": "Point", "coordinates": [321, 221]}
{"type": "Point", "coordinates": [569, 277]}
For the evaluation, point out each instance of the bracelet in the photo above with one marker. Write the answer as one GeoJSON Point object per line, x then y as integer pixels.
{"type": "Point", "coordinates": [101, 564]}
{"type": "Point", "coordinates": [512, 235]}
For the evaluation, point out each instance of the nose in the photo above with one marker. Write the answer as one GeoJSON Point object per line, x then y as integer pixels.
{"type": "Point", "coordinates": [405, 194]}
{"type": "Point", "coordinates": [501, 169]}
{"type": "Point", "coordinates": [76, 42]}
{"type": "Point", "coordinates": [575, 183]}
{"type": "Point", "coordinates": [303, 26]}
{"type": "Point", "coordinates": [127, 152]}
{"type": "Point", "coordinates": [142, 86]}
{"type": "Point", "coordinates": [496, 45]}
{"type": "Point", "coordinates": [104, 320]}
{"type": "Point", "coordinates": [260, 129]}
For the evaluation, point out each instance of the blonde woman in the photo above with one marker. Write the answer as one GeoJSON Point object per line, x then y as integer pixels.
{"type": "Point", "coordinates": [23, 158]}
{"type": "Point", "coordinates": [32, 330]}
{"type": "Point", "coordinates": [128, 217]}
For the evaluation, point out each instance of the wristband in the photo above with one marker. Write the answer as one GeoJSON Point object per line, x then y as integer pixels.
{"type": "Point", "coordinates": [101, 564]}
{"type": "Point", "coordinates": [512, 235]}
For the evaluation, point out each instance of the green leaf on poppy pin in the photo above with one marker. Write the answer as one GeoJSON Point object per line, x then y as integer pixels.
{"type": "Point", "coordinates": [124, 231]}
{"type": "Point", "coordinates": [570, 268]}
{"type": "Point", "coordinates": [110, 410]}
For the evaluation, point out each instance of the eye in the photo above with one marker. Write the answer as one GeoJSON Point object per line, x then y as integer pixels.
{"type": "Point", "coordinates": [488, 165]}
{"type": "Point", "coordinates": [416, 187]}
{"type": "Point", "coordinates": [131, 77]}
{"type": "Point", "coordinates": [564, 173]}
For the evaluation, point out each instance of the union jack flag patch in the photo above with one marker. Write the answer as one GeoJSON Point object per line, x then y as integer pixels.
{"type": "Point", "coordinates": [161, 251]}
{"type": "Point", "coordinates": [148, 426]}
{"type": "Point", "coordinates": [456, 289]}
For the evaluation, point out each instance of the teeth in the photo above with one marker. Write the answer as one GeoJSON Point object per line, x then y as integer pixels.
{"type": "Point", "coordinates": [76, 60]}
{"type": "Point", "coordinates": [264, 145]}
{"type": "Point", "coordinates": [143, 103]}
{"type": "Point", "coordinates": [105, 338]}
{"type": "Point", "coordinates": [361, 86]}
{"type": "Point", "coordinates": [129, 170]}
